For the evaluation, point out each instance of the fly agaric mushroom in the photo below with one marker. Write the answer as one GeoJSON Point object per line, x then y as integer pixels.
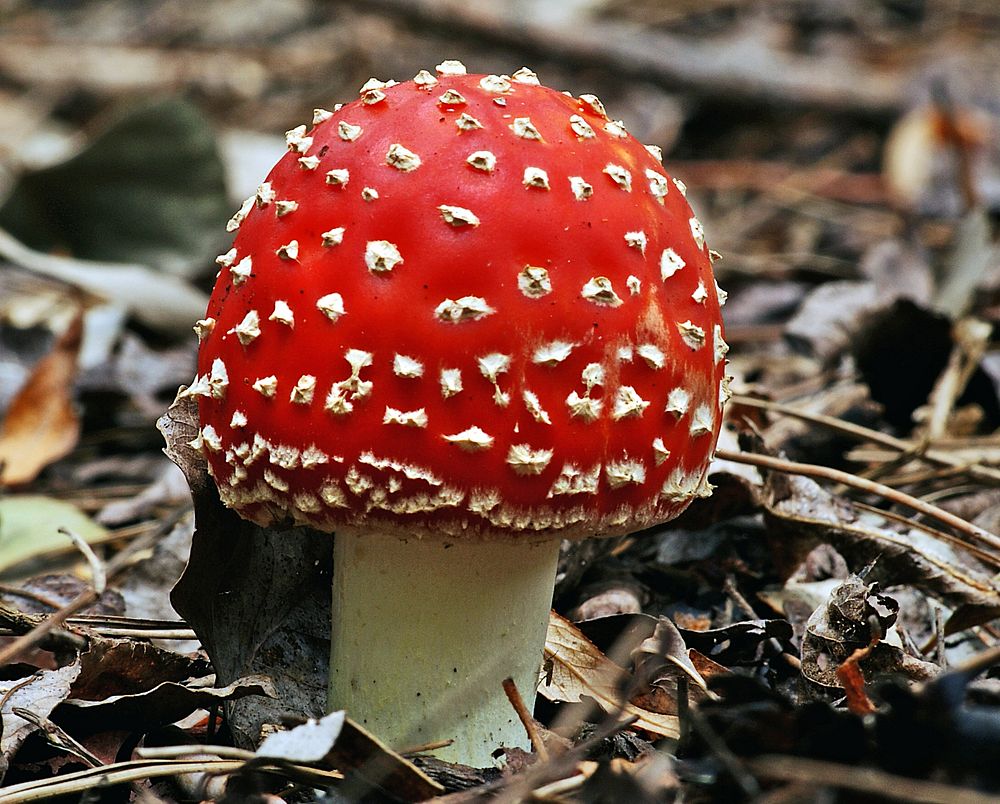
{"type": "Point", "coordinates": [465, 317]}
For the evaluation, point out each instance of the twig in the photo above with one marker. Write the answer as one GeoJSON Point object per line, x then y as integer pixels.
{"type": "Point", "coordinates": [98, 575]}
{"type": "Point", "coordinates": [869, 486]}
{"type": "Point", "coordinates": [984, 473]}
{"type": "Point", "coordinates": [107, 775]}
{"type": "Point", "coordinates": [865, 780]}
{"type": "Point", "coordinates": [987, 558]}
{"type": "Point", "coordinates": [516, 701]}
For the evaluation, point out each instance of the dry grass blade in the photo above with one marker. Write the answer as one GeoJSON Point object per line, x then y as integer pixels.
{"type": "Point", "coordinates": [141, 769]}
{"type": "Point", "coordinates": [973, 532]}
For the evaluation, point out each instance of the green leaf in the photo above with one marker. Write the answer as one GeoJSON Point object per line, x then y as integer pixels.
{"type": "Point", "coordinates": [148, 189]}
{"type": "Point", "coordinates": [29, 528]}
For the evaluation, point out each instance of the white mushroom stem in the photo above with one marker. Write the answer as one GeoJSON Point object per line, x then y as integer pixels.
{"type": "Point", "coordinates": [425, 632]}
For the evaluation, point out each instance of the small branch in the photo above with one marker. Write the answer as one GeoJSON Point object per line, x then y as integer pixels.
{"type": "Point", "coordinates": [868, 486]}
{"type": "Point", "coordinates": [516, 701]}
{"type": "Point", "coordinates": [931, 455]}
{"type": "Point", "coordinates": [98, 575]}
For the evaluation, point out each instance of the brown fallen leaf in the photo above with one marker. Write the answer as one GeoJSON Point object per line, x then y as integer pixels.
{"type": "Point", "coordinates": [575, 668]}
{"type": "Point", "coordinates": [42, 424]}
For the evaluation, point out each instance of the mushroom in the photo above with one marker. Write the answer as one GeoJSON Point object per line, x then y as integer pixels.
{"type": "Point", "coordinates": [465, 317]}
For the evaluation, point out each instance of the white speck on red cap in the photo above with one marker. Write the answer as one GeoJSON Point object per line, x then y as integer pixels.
{"type": "Point", "coordinates": [338, 177]}
{"type": "Point", "coordinates": [636, 240]}
{"type": "Point", "coordinates": [451, 382]}
{"type": "Point", "coordinates": [552, 353]}
{"type": "Point", "coordinates": [525, 76]}
{"type": "Point", "coordinates": [619, 175]}
{"type": "Point", "coordinates": [466, 122]}
{"type": "Point", "coordinates": [472, 439]}
{"type": "Point", "coordinates": [535, 177]}
{"type": "Point", "coordinates": [599, 290]}
{"type": "Point", "coordinates": [266, 386]}
{"type": "Point", "coordinates": [582, 190]}
{"type": "Point", "coordinates": [405, 366]}
{"type": "Point", "coordinates": [381, 256]}
{"type": "Point", "coordinates": [467, 308]}
{"type": "Point", "coordinates": [581, 127]}
{"type": "Point", "coordinates": [534, 282]}
{"type": "Point", "coordinates": [691, 334]}
{"type": "Point", "coordinates": [702, 421]}
{"type": "Point", "coordinates": [348, 132]}
{"type": "Point", "coordinates": [333, 237]}
{"type": "Point", "coordinates": [248, 329]}
{"type": "Point", "coordinates": [406, 418]}
{"type": "Point", "coordinates": [670, 263]}
{"type": "Point", "coordinates": [625, 472]}
{"type": "Point", "coordinates": [402, 158]}
{"type": "Point", "coordinates": [628, 403]}
{"type": "Point", "coordinates": [527, 461]}
{"type": "Point", "coordinates": [331, 305]}
{"type": "Point", "coordinates": [450, 67]}
{"type": "Point", "coordinates": [524, 128]}
{"type": "Point", "coordinates": [495, 83]}
{"type": "Point", "coordinates": [424, 80]}
{"type": "Point", "coordinates": [458, 216]}
{"type": "Point", "coordinates": [302, 393]}
{"type": "Point", "coordinates": [485, 161]}
{"type": "Point", "coordinates": [678, 402]}
{"type": "Point", "coordinates": [451, 97]}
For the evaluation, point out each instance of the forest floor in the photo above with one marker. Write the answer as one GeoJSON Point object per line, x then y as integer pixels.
{"type": "Point", "coordinates": [823, 628]}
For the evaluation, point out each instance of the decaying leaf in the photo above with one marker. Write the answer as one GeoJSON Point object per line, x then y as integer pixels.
{"type": "Point", "coordinates": [801, 514]}
{"type": "Point", "coordinates": [663, 650]}
{"type": "Point", "coordinates": [42, 425]}
{"type": "Point", "coordinates": [29, 528]}
{"type": "Point", "coordinates": [40, 693]}
{"type": "Point", "coordinates": [848, 629]}
{"type": "Point", "coordinates": [575, 669]}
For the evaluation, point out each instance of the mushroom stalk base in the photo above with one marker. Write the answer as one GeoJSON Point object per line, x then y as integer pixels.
{"type": "Point", "coordinates": [425, 632]}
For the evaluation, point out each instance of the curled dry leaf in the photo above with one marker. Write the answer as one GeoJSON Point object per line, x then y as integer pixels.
{"type": "Point", "coordinates": [843, 640]}
{"type": "Point", "coordinates": [42, 424]}
{"type": "Point", "coordinates": [165, 703]}
{"type": "Point", "coordinates": [574, 668]}
{"type": "Point", "coordinates": [663, 654]}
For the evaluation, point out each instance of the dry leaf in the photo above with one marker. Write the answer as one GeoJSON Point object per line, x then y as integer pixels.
{"type": "Point", "coordinates": [801, 514]}
{"type": "Point", "coordinates": [575, 669]}
{"type": "Point", "coordinates": [40, 694]}
{"type": "Point", "coordinates": [42, 424]}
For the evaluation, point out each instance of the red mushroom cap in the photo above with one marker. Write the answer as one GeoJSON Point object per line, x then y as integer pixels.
{"type": "Point", "coordinates": [463, 304]}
